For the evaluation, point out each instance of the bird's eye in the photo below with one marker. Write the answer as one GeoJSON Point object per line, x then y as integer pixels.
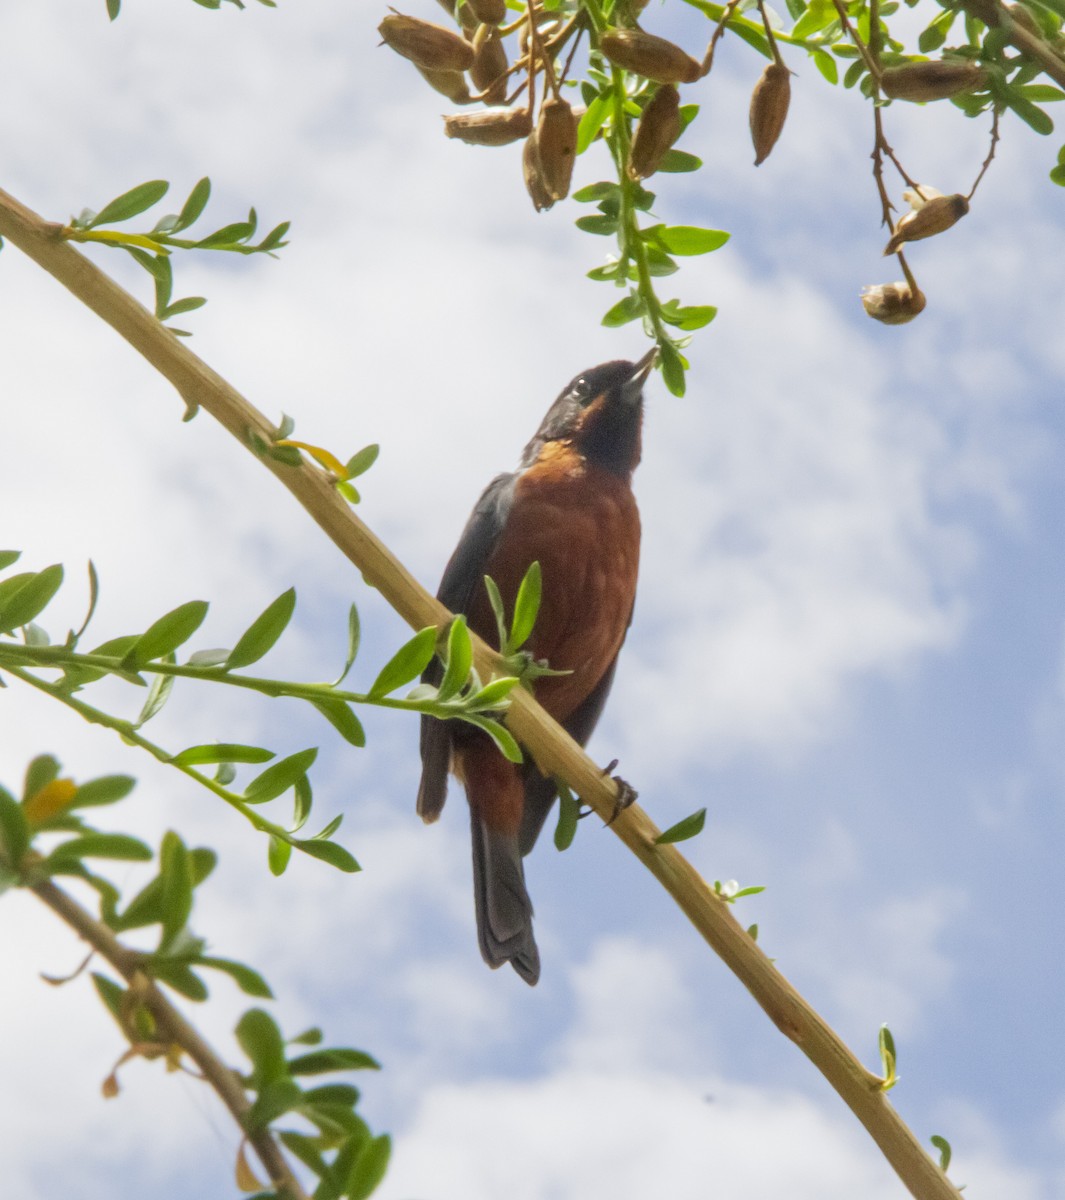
{"type": "Point", "coordinates": [582, 390]}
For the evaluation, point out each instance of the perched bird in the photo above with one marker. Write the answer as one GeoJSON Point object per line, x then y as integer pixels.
{"type": "Point", "coordinates": [570, 507]}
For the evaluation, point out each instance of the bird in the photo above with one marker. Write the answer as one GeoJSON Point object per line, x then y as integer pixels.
{"type": "Point", "coordinates": [570, 507]}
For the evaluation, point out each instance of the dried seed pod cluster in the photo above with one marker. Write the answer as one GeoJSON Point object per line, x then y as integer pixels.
{"type": "Point", "coordinates": [469, 65]}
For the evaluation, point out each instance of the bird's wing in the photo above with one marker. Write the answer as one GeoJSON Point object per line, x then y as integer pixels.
{"type": "Point", "coordinates": [540, 790]}
{"type": "Point", "coordinates": [462, 576]}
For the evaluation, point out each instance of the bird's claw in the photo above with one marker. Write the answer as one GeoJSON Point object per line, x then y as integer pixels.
{"type": "Point", "coordinates": [627, 794]}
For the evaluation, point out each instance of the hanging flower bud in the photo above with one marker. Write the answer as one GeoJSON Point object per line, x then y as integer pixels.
{"type": "Point", "coordinates": [649, 56]}
{"type": "Point", "coordinates": [556, 144]}
{"type": "Point", "coordinates": [451, 84]}
{"type": "Point", "coordinates": [489, 68]}
{"type": "Point", "coordinates": [534, 176]}
{"type": "Point", "coordinates": [488, 12]}
{"type": "Point", "coordinates": [924, 81]}
{"type": "Point", "coordinates": [893, 303]}
{"type": "Point", "coordinates": [927, 218]}
{"type": "Point", "coordinates": [658, 129]}
{"type": "Point", "coordinates": [769, 109]}
{"type": "Point", "coordinates": [429, 46]}
{"type": "Point", "coordinates": [497, 127]}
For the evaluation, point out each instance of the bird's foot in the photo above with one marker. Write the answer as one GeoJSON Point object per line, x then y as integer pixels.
{"type": "Point", "coordinates": [627, 794]}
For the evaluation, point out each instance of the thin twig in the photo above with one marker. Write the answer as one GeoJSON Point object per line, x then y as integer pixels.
{"type": "Point", "coordinates": [175, 1029]}
{"type": "Point", "coordinates": [551, 747]}
{"type": "Point", "coordinates": [719, 33]}
{"type": "Point", "coordinates": [870, 62]}
{"type": "Point", "coordinates": [990, 153]}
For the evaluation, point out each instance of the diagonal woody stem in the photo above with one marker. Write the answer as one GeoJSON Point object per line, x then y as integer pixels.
{"type": "Point", "coordinates": [174, 1028]}
{"type": "Point", "coordinates": [552, 748]}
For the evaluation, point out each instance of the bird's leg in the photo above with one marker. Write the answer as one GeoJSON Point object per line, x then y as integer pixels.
{"type": "Point", "coordinates": [627, 794]}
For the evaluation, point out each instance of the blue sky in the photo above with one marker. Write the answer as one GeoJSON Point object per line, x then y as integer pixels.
{"type": "Point", "coordinates": [848, 642]}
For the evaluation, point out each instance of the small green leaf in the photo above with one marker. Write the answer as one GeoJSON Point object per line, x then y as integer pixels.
{"type": "Point", "coordinates": [687, 239]}
{"type": "Point", "coordinates": [689, 827]}
{"type": "Point", "coordinates": [594, 118]}
{"type": "Point", "coordinates": [409, 661]}
{"type": "Point", "coordinates": [499, 734]}
{"type": "Point", "coordinates": [118, 846]}
{"type": "Point", "coordinates": [278, 854]}
{"type": "Point", "coordinates": [888, 1058]}
{"type": "Point", "coordinates": [108, 789]}
{"type": "Point", "coordinates": [113, 8]}
{"type": "Point", "coordinates": [14, 828]}
{"type": "Point", "coordinates": [598, 223]}
{"type": "Point", "coordinates": [194, 205]}
{"type": "Point", "coordinates": [459, 659]}
{"type": "Point", "coordinates": [689, 317]}
{"type": "Point", "coordinates": [7, 557]}
{"type": "Point", "coordinates": [362, 461]}
{"type": "Point", "coordinates": [569, 811]}
{"type": "Point", "coordinates": [263, 632]}
{"type": "Point", "coordinates": [331, 853]}
{"type": "Point", "coordinates": [24, 596]}
{"type": "Point", "coordinates": [158, 694]}
{"type": "Point", "coordinates": [222, 752]}
{"type": "Point", "coordinates": [1034, 117]}
{"type": "Point", "coordinates": [131, 203]}
{"type": "Point", "coordinates": [41, 771]}
{"type": "Point", "coordinates": [679, 162]}
{"type": "Point", "coordinates": [943, 1146]}
{"type": "Point", "coordinates": [260, 1039]}
{"type": "Point", "coordinates": [338, 1059]}
{"type": "Point", "coordinates": [493, 694]}
{"type": "Point", "coordinates": [628, 309]}
{"type": "Point", "coordinates": [369, 1167]}
{"type": "Point", "coordinates": [496, 602]}
{"type": "Point", "coordinates": [274, 1100]}
{"type": "Point", "coordinates": [673, 365]}
{"type": "Point", "coordinates": [1057, 174]}
{"type": "Point", "coordinates": [526, 607]}
{"type": "Point", "coordinates": [597, 191]}
{"type": "Point", "coordinates": [826, 64]}
{"type": "Point", "coordinates": [250, 982]}
{"type": "Point", "coordinates": [279, 777]}
{"type": "Point", "coordinates": [340, 715]}
{"type": "Point", "coordinates": [354, 637]}
{"type": "Point", "coordinates": [167, 634]}
{"type": "Point", "coordinates": [176, 876]}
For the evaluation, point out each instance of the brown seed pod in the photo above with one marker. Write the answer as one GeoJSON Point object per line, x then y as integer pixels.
{"type": "Point", "coordinates": [650, 56]}
{"type": "Point", "coordinates": [893, 303]}
{"type": "Point", "coordinates": [429, 46]}
{"type": "Point", "coordinates": [534, 176]}
{"type": "Point", "coordinates": [497, 127]}
{"type": "Point", "coordinates": [931, 218]}
{"type": "Point", "coordinates": [924, 81]}
{"type": "Point", "coordinates": [489, 69]}
{"type": "Point", "coordinates": [658, 129]}
{"type": "Point", "coordinates": [488, 12]}
{"type": "Point", "coordinates": [556, 143]}
{"type": "Point", "coordinates": [769, 109]}
{"type": "Point", "coordinates": [451, 84]}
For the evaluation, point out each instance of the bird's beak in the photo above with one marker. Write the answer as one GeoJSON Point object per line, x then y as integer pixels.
{"type": "Point", "coordinates": [632, 388]}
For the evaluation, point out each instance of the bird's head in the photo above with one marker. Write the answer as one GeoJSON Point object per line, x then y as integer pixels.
{"type": "Point", "coordinates": [599, 413]}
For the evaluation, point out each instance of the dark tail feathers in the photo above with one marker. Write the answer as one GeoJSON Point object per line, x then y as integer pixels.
{"type": "Point", "coordinates": [504, 910]}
